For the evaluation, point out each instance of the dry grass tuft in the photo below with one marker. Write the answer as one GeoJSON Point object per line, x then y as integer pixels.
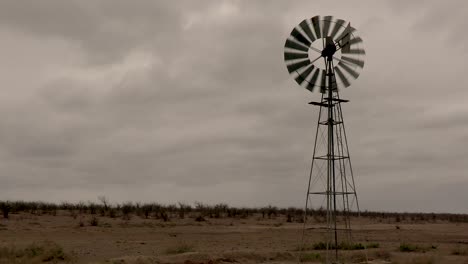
{"type": "Point", "coordinates": [46, 252]}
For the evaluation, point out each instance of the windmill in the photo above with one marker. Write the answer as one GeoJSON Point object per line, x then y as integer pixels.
{"type": "Point", "coordinates": [325, 54]}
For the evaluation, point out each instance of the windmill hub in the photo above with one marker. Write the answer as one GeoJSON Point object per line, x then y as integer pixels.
{"type": "Point", "coordinates": [324, 37]}
{"type": "Point", "coordinates": [329, 51]}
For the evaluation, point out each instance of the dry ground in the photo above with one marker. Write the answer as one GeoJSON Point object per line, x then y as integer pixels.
{"type": "Point", "coordinates": [28, 238]}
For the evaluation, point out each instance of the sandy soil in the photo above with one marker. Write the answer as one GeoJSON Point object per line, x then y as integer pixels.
{"type": "Point", "coordinates": [226, 240]}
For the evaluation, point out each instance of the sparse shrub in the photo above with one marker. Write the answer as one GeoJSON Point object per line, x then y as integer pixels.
{"type": "Point", "coordinates": [351, 246]}
{"type": "Point", "coordinates": [94, 221]}
{"type": "Point", "coordinates": [200, 219]}
{"type": "Point", "coordinates": [320, 246]}
{"type": "Point", "coordinates": [112, 213]}
{"type": "Point", "coordinates": [373, 245]}
{"type": "Point", "coordinates": [147, 208]}
{"type": "Point", "coordinates": [272, 211]}
{"type": "Point", "coordinates": [104, 201]}
{"type": "Point", "coordinates": [405, 247]}
{"type": "Point", "coordinates": [5, 207]}
{"type": "Point", "coordinates": [81, 206]}
{"type": "Point", "coordinates": [126, 210]}
{"type": "Point", "coordinates": [164, 216]}
{"type": "Point", "coordinates": [92, 208]}
{"type": "Point", "coordinates": [183, 209]}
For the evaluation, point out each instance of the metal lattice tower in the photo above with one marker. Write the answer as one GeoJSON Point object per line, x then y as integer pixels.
{"type": "Point", "coordinates": [331, 199]}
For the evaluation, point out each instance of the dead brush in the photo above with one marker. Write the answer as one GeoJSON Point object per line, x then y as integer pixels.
{"type": "Point", "coordinates": [6, 208]}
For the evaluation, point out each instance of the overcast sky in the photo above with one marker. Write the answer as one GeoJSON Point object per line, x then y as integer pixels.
{"type": "Point", "coordinates": [191, 101]}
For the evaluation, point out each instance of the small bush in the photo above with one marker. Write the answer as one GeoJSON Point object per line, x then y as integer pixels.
{"type": "Point", "coordinates": [200, 219]}
{"type": "Point", "coordinates": [320, 246]}
{"type": "Point", "coordinates": [94, 221]}
{"type": "Point", "coordinates": [127, 209]}
{"type": "Point", "coordinates": [405, 247]}
{"type": "Point", "coordinates": [6, 208]}
{"type": "Point", "coordinates": [112, 213]}
{"type": "Point", "coordinates": [164, 216]}
{"type": "Point", "coordinates": [373, 245]}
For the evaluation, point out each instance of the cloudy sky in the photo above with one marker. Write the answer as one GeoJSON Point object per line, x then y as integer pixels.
{"type": "Point", "coordinates": [190, 101]}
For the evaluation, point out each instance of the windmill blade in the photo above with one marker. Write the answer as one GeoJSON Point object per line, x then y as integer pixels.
{"type": "Point", "coordinates": [297, 65]}
{"type": "Point", "coordinates": [355, 40]}
{"type": "Point", "coordinates": [353, 51]}
{"type": "Point", "coordinates": [302, 76]}
{"type": "Point", "coordinates": [341, 76]}
{"type": "Point", "coordinates": [323, 82]}
{"type": "Point", "coordinates": [339, 23]}
{"type": "Point", "coordinates": [351, 72]}
{"type": "Point", "coordinates": [294, 45]}
{"type": "Point", "coordinates": [347, 32]}
{"type": "Point", "coordinates": [313, 80]}
{"type": "Point", "coordinates": [293, 56]}
{"type": "Point", "coordinates": [301, 38]}
{"type": "Point", "coordinates": [305, 27]}
{"type": "Point", "coordinates": [316, 25]}
{"type": "Point", "coordinates": [327, 20]}
{"type": "Point", "coordinates": [357, 62]}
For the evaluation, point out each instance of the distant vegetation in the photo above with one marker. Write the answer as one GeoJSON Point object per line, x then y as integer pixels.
{"type": "Point", "coordinates": [202, 211]}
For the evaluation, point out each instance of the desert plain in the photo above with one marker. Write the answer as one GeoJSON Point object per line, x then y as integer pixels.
{"type": "Point", "coordinates": [83, 236]}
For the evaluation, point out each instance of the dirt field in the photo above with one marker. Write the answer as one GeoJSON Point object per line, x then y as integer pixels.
{"type": "Point", "coordinates": [75, 238]}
